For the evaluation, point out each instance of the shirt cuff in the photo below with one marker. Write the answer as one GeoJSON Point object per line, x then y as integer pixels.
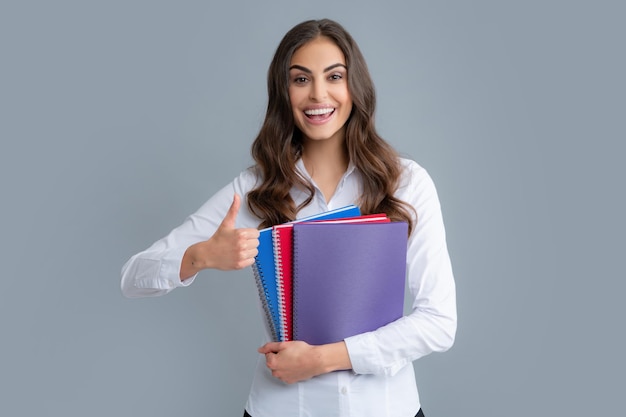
{"type": "Point", "coordinates": [362, 356]}
{"type": "Point", "coordinates": [163, 273]}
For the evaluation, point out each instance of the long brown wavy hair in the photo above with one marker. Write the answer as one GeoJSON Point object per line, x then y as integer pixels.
{"type": "Point", "coordinates": [278, 145]}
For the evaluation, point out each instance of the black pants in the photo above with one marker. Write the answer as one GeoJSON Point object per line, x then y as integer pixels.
{"type": "Point", "coordinates": [419, 414]}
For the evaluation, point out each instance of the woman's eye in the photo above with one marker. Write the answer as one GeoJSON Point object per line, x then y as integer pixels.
{"type": "Point", "coordinates": [300, 80]}
{"type": "Point", "coordinates": [336, 77]}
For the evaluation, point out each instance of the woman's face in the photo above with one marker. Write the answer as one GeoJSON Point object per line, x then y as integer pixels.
{"type": "Point", "coordinates": [318, 90]}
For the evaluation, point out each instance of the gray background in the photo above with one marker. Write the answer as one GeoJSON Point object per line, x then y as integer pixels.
{"type": "Point", "coordinates": [119, 118]}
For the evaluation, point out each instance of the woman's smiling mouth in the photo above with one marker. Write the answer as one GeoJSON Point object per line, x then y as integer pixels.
{"type": "Point", "coordinates": [319, 114]}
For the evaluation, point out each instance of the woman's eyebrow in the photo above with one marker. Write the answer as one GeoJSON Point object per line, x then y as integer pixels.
{"type": "Point", "coordinates": [308, 71]}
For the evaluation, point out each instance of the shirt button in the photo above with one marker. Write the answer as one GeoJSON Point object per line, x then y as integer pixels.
{"type": "Point", "coordinates": [344, 390]}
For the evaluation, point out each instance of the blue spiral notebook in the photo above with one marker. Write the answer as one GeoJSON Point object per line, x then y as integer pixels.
{"type": "Point", "coordinates": [264, 268]}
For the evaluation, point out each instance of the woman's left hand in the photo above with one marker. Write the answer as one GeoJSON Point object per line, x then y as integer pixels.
{"type": "Point", "coordinates": [297, 361]}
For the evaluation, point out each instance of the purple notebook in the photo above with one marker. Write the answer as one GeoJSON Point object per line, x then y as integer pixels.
{"type": "Point", "coordinates": [347, 279]}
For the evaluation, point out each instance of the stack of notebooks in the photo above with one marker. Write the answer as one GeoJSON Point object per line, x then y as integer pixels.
{"type": "Point", "coordinates": [330, 276]}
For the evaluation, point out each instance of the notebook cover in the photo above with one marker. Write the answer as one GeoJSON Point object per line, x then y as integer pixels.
{"type": "Point", "coordinates": [283, 259]}
{"type": "Point", "coordinates": [265, 271]}
{"type": "Point", "coordinates": [347, 278]}
{"type": "Point", "coordinates": [364, 218]}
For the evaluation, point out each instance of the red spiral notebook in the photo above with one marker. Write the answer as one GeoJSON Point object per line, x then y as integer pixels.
{"type": "Point", "coordinates": [282, 236]}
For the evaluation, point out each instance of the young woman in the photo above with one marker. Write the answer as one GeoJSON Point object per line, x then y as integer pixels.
{"type": "Point", "coordinates": [318, 150]}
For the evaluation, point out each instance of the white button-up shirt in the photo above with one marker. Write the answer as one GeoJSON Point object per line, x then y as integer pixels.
{"type": "Point", "coordinates": [382, 381]}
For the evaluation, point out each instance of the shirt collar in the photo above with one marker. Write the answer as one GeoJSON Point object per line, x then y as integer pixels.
{"type": "Point", "coordinates": [302, 170]}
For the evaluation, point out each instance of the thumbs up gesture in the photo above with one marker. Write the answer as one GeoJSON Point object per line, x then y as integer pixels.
{"type": "Point", "coordinates": [228, 249]}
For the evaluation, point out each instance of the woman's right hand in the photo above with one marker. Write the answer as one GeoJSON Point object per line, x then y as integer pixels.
{"type": "Point", "coordinates": [228, 249]}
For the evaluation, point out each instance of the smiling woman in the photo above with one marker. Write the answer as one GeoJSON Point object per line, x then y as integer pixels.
{"type": "Point", "coordinates": [312, 54]}
{"type": "Point", "coordinates": [318, 150]}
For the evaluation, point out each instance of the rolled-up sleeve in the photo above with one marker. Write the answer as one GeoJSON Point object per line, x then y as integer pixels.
{"type": "Point", "coordinates": [431, 324]}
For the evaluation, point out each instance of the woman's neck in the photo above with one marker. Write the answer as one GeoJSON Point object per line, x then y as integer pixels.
{"type": "Point", "coordinates": [326, 161]}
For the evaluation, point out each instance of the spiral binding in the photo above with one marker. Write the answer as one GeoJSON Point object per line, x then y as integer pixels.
{"type": "Point", "coordinates": [282, 309]}
{"type": "Point", "coordinates": [264, 296]}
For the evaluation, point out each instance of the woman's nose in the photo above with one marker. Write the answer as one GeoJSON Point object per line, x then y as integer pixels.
{"type": "Point", "coordinates": [318, 91]}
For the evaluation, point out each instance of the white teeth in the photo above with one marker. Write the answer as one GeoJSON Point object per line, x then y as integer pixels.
{"type": "Point", "coordinates": [317, 112]}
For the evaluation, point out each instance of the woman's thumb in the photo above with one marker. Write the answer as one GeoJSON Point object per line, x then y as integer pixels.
{"type": "Point", "coordinates": [231, 215]}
